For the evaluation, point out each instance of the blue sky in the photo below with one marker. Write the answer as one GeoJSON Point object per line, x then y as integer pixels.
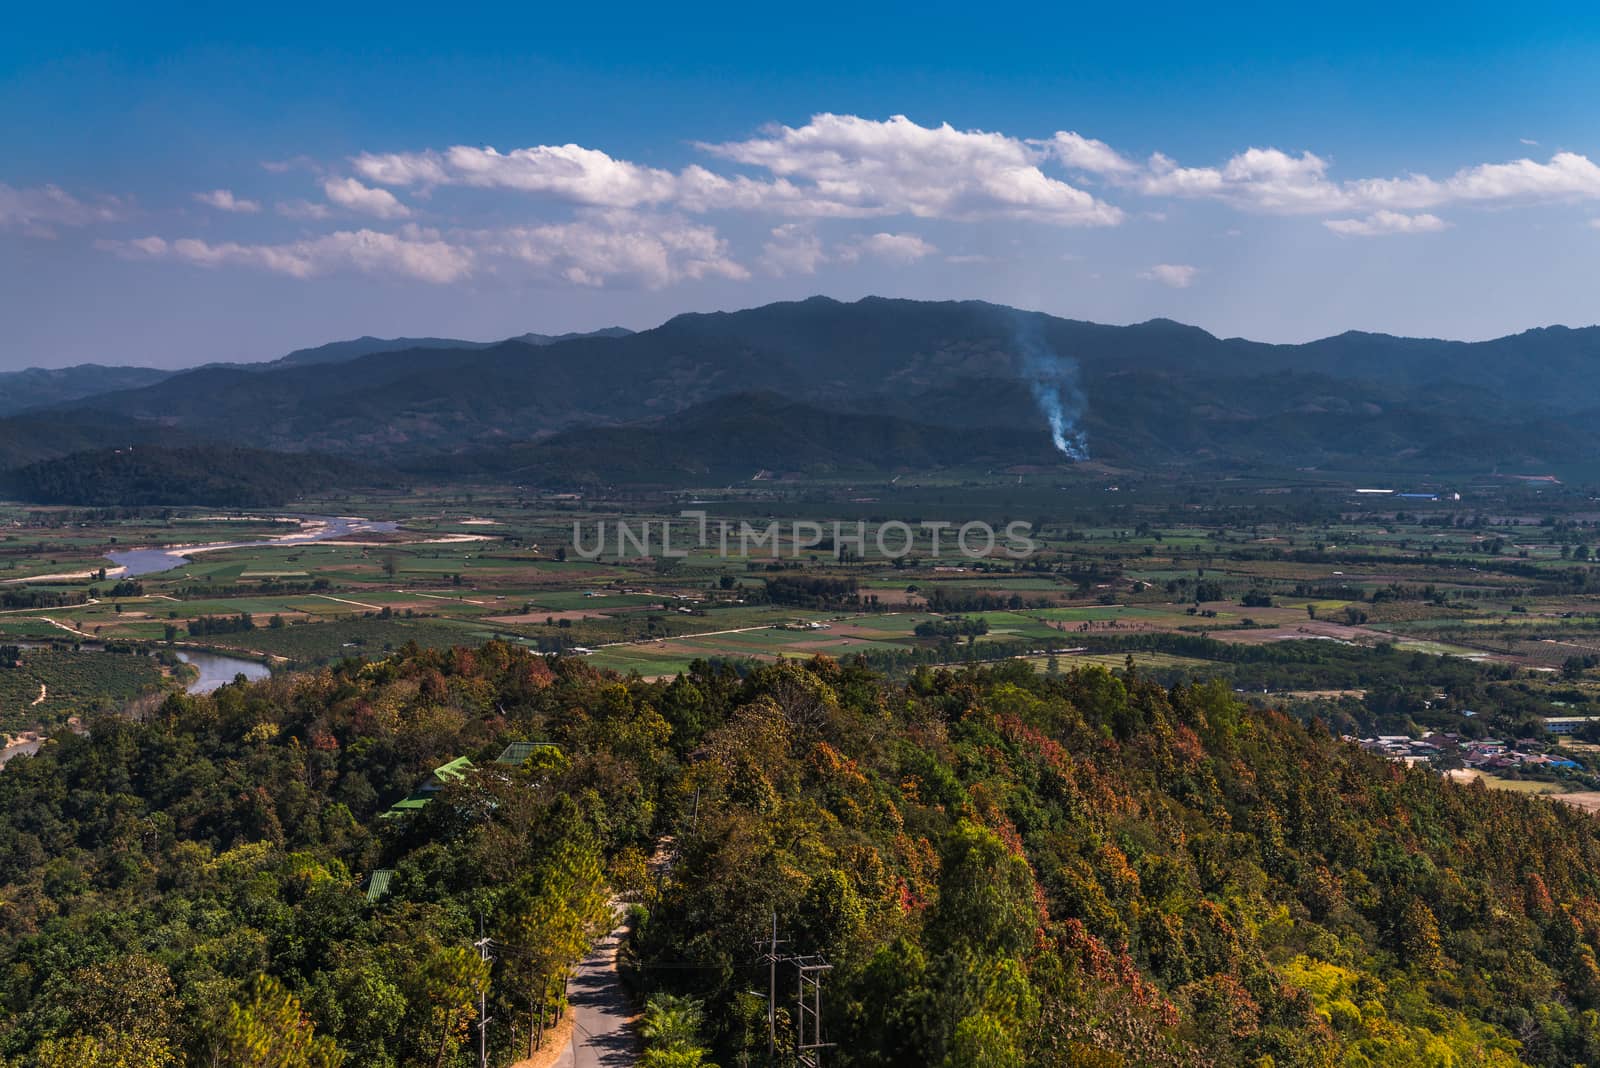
{"type": "Point", "coordinates": [225, 182]}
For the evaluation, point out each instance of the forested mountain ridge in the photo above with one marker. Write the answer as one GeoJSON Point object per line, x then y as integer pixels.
{"type": "Point", "coordinates": [736, 436]}
{"type": "Point", "coordinates": [1155, 394]}
{"type": "Point", "coordinates": [339, 351]}
{"type": "Point", "coordinates": [1004, 868]}
{"type": "Point", "coordinates": [161, 475]}
{"type": "Point", "coordinates": [39, 387]}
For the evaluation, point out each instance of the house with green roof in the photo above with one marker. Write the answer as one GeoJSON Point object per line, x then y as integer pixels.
{"type": "Point", "coordinates": [418, 799]}
{"type": "Point", "coordinates": [517, 753]}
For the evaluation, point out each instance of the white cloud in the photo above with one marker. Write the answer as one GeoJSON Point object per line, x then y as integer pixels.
{"type": "Point", "coordinates": [1568, 176]}
{"type": "Point", "coordinates": [1380, 223]}
{"type": "Point", "coordinates": [895, 248]}
{"type": "Point", "coordinates": [1086, 154]}
{"type": "Point", "coordinates": [792, 249]}
{"type": "Point", "coordinates": [569, 172]}
{"type": "Point", "coordinates": [293, 163]}
{"type": "Point", "coordinates": [1270, 180]}
{"type": "Point", "coordinates": [838, 166]}
{"type": "Point", "coordinates": [224, 200]}
{"type": "Point", "coordinates": [39, 209]}
{"type": "Point", "coordinates": [402, 168]}
{"type": "Point", "coordinates": [148, 246]}
{"type": "Point", "coordinates": [648, 250]}
{"type": "Point", "coordinates": [844, 165]}
{"type": "Point", "coordinates": [416, 254]}
{"type": "Point", "coordinates": [1527, 141]}
{"type": "Point", "coordinates": [350, 193]}
{"type": "Point", "coordinates": [1265, 179]}
{"type": "Point", "coordinates": [1176, 275]}
{"type": "Point", "coordinates": [302, 209]}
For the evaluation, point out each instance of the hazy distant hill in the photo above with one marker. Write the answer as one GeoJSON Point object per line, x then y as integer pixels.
{"type": "Point", "coordinates": [1157, 393]}
{"type": "Point", "coordinates": [35, 436]}
{"type": "Point", "coordinates": [39, 387]}
{"type": "Point", "coordinates": [734, 437]}
{"type": "Point", "coordinates": [340, 351]}
{"type": "Point", "coordinates": [210, 475]}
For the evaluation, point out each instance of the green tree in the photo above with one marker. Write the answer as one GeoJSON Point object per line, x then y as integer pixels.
{"type": "Point", "coordinates": [452, 979]}
{"type": "Point", "coordinates": [271, 1031]}
{"type": "Point", "coordinates": [549, 918]}
{"type": "Point", "coordinates": [671, 1030]}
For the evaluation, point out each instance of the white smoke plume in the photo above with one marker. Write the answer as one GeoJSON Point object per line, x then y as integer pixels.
{"type": "Point", "coordinates": [1053, 379]}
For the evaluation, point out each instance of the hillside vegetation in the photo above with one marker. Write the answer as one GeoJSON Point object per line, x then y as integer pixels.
{"type": "Point", "coordinates": [157, 475]}
{"type": "Point", "coordinates": [1156, 394]}
{"type": "Point", "coordinates": [1004, 869]}
{"type": "Point", "coordinates": [734, 437]}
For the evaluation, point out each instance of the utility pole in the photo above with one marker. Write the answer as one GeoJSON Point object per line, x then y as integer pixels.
{"type": "Point", "coordinates": [809, 973]}
{"type": "Point", "coordinates": [772, 993]}
{"type": "Point", "coordinates": [808, 1043]}
{"type": "Point", "coordinates": [482, 946]}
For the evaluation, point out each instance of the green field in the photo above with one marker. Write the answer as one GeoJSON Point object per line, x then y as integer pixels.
{"type": "Point", "coordinates": [1115, 572]}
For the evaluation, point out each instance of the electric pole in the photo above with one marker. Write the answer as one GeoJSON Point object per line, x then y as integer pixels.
{"type": "Point", "coordinates": [482, 946]}
{"type": "Point", "coordinates": [808, 1043]}
{"type": "Point", "coordinates": [809, 973]}
{"type": "Point", "coordinates": [772, 993]}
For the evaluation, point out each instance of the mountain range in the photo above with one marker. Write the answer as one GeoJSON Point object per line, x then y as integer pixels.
{"type": "Point", "coordinates": [822, 385]}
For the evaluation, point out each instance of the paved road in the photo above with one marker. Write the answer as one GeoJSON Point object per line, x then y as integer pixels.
{"type": "Point", "coordinates": [602, 1026]}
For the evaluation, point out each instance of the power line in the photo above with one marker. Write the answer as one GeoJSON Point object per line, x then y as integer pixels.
{"type": "Point", "coordinates": [810, 970]}
{"type": "Point", "coordinates": [482, 946]}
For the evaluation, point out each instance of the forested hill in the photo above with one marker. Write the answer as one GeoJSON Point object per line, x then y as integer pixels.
{"type": "Point", "coordinates": [1003, 868]}
{"type": "Point", "coordinates": [206, 475]}
{"type": "Point", "coordinates": [734, 437]}
{"type": "Point", "coordinates": [341, 351]}
{"type": "Point", "coordinates": [1155, 394]}
{"type": "Point", "coordinates": [39, 387]}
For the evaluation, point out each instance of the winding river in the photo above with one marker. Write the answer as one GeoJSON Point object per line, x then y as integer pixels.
{"type": "Point", "coordinates": [132, 563]}
{"type": "Point", "coordinates": [216, 670]}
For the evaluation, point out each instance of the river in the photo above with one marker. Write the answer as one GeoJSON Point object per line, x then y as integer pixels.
{"type": "Point", "coordinates": [217, 670]}
{"type": "Point", "coordinates": [19, 749]}
{"type": "Point", "coordinates": [136, 562]}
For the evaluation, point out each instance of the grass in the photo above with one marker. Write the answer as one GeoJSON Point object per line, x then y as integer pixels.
{"type": "Point", "coordinates": [1523, 786]}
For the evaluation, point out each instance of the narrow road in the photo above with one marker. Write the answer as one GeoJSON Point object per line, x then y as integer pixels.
{"type": "Point", "coordinates": [68, 629]}
{"type": "Point", "coordinates": [714, 633]}
{"type": "Point", "coordinates": [602, 1031]}
{"type": "Point", "coordinates": [43, 693]}
{"type": "Point", "coordinates": [341, 600]}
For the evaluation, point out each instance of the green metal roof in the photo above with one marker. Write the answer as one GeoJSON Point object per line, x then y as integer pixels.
{"type": "Point", "coordinates": [517, 752]}
{"type": "Point", "coordinates": [455, 771]}
{"type": "Point", "coordinates": [378, 883]}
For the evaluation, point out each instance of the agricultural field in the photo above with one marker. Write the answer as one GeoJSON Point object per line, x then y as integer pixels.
{"type": "Point", "coordinates": [41, 688]}
{"type": "Point", "coordinates": [1191, 580]}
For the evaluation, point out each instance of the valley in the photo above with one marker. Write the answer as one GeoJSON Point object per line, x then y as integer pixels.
{"type": "Point", "coordinates": [819, 628]}
{"type": "Point", "coordinates": [1472, 616]}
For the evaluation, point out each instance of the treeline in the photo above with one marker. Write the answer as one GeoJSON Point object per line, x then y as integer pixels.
{"type": "Point", "coordinates": [952, 627]}
{"type": "Point", "coordinates": [943, 599]}
{"type": "Point", "coordinates": [812, 591]}
{"type": "Point", "coordinates": [206, 626]}
{"type": "Point", "coordinates": [23, 597]}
